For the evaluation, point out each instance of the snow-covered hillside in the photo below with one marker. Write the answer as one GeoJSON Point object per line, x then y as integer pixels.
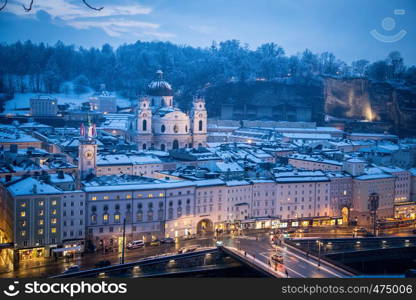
{"type": "Point", "coordinates": [20, 103]}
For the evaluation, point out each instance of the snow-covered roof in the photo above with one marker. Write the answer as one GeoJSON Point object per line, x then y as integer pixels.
{"type": "Point", "coordinates": [314, 159]}
{"type": "Point", "coordinates": [54, 178]}
{"type": "Point", "coordinates": [374, 176]}
{"type": "Point", "coordinates": [31, 186]}
{"type": "Point", "coordinates": [228, 167]}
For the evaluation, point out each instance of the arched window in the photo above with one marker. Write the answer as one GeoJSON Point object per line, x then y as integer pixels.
{"type": "Point", "coordinates": [175, 129]}
{"type": "Point", "coordinates": [186, 128]}
{"type": "Point", "coordinates": [144, 125]}
{"type": "Point", "coordinates": [163, 128]}
{"type": "Point", "coordinates": [175, 144]}
{"type": "Point", "coordinates": [162, 147]}
{"type": "Point", "coordinates": [144, 146]}
{"type": "Point", "coordinates": [200, 125]}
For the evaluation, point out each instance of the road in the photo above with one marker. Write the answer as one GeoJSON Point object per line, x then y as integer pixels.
{"type": "Point", "coordinates": [89, 260]}
{"type": "Point", "coordinates": [296, 264]}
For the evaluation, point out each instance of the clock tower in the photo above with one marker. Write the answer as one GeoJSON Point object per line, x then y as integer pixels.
{"type": "Point", "coordinates": [87, 151]}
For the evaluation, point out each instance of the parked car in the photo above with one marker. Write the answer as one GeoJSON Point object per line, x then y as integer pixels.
{"type": "Point", "coordinates": [168, 240]}
{"type": "Point", "coordinates": [277, 259]}
{"type": "Point", "coordinates": [187, 250]}
{"type": "Point", "coordinates": [155, 243]}
{"type": "Point", "coordinates": [414, 231]}
{"type": "Point", "coordinates": [135, 244]}
{"type": "Point", "coordinates": [72, 269]}
{"type": "Point", "coordinates": [103, 263]}
{"type": "Point", "coordinates": [360, 229]}
{"type": "Point", "coordinates": [189, 237]}
{"type": "Point", "coordinates": [191, 249]}
{"type": "Point", "coordinates": [368, 234]}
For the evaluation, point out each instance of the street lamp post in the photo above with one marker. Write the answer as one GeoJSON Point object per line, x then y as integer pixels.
{"type": "Point", "coordinates": [124, 238]}
{"type": "Point", "coordinates": [373, 200]}
{"type": "Point", "coordinates": [319, 253]}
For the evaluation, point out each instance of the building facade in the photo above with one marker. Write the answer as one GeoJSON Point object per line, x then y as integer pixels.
{"type": "Point", "coordinates": [160, 125]}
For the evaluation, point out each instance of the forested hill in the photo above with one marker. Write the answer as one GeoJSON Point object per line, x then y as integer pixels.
{"type": "Point", "coordinates": [41, 68]}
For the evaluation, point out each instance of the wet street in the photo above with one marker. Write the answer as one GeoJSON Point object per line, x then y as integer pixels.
{"type": "Point", "coordinates": [257, 244]}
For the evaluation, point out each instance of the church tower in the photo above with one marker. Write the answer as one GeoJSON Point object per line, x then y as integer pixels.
{"type": "Point", "coordinates": [144, 124]}
{"type": "Point", "coordinates": [199, 122]}
{"type": "Point", "coordinates": [87, 151]}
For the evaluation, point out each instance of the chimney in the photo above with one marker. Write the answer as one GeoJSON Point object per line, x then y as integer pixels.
{"type": "Point", "coordinates": [13, 148]}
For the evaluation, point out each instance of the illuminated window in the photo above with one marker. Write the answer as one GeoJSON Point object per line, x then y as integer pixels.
{"type": "Point", "coordinates": [161, 195]}
{"type": "Point", "coordinates": [139, 195]}
{"type": "Point", "coordinates": [53, 229]}
{"type": "Point", "coordinates": [23, 204]}
{"type": "Point", "coordinates": [54, 212]}
{"type": "Point", "coordinates": [23, 223]}
{"type": "Point", "coordinates": [40, 203]}
{"type": "Point", "coordinates": [94, 198]}
{"type": "Point", "coordinates": [54, 203]}
{"type": "Point", "coordinates": [345, 193]}
{"type": "Point", "coordinates": [106, 197]}
{"type": "Point", "coordinates": [23, 213]}
{"type": "Point", "coordinates": [128, 196]}
{"type": "Point", "coordinates": [117, 217]}
{"type": "Point", "coordinates": [41, 212]}
{"type": "Point", "coordinates": [105, 217]}
{"type": "Point", "coordinates": [150, 195]}
{"type": "Point", "coordinates": [40, 231]}
{"type": "Point", "coordinates": [23, 233]}
{"type": "Point", "coordinates": [41, 222]}
{"type": "Point", "coordinates": [53, 220]}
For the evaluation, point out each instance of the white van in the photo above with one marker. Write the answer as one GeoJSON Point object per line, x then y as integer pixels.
{"type": "Point", "coordinates": [135, 244]}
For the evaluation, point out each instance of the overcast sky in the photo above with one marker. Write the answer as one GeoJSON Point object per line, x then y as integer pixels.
{"type": "Point", "coordinates": [340, 26]}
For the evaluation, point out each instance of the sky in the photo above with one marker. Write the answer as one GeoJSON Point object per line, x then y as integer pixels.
{"type": "Point", "coordinates": [351, 29]}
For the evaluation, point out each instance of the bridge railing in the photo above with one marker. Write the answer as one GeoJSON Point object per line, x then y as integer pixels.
{"type": "Point", "coordinates": [251, 259]}
{"type": "Point", "coordinates": [141, 262]}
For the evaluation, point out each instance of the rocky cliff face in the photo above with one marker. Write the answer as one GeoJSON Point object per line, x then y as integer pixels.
{"type": "Point", "coordinates": [360, 98]}
{"type": "Point", "coordinates": [274, 96]}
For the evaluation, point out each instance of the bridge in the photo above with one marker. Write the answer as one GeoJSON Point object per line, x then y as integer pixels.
{"type": "Point", "coordinates": [296, 263]}
{"type": "Point", "coordinates": [162, 265]}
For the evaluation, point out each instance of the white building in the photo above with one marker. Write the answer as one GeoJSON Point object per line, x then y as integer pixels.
{"type": "Point", "coordinates": [43, 106]}
{"type": "Point", "coordinates": [161, 125]}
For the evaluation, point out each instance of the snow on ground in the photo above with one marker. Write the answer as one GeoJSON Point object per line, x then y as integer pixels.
{"type": "Point", "coordinates": [20, 103]}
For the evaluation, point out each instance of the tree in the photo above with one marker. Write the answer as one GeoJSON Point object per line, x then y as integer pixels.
{"type": "Point", "coordinates": [359, 66]}
{"type": "Point", "coordinates": [396, 66]}
{"type": "Point", "coordinates": [328, 64]}
{"type": "Point", "coordinates": [81, 84]}
{"type": "Point", "coordinates": [378, 70]}
{"type": "Point", "coordinates": [410, 75]}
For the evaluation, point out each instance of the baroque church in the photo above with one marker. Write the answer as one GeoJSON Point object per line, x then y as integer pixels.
{"type": "Point", "coordinates": [162, 126]}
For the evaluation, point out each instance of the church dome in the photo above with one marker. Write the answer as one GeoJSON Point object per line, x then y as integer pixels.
{"type": "Point", "coordinates": [159, 87]}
